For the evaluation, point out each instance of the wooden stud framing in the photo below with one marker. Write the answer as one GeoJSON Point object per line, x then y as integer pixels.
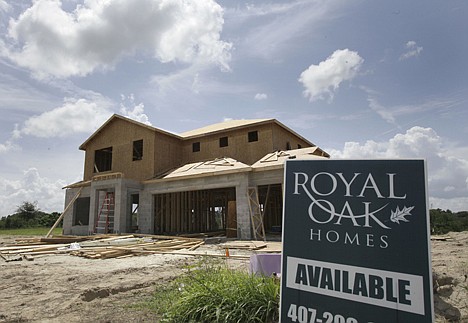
{"type": "Point", "coordinates": [191, 211]}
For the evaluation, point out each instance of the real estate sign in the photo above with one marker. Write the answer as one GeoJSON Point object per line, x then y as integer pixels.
{"type": "Point", "coordinates": [356, 242]}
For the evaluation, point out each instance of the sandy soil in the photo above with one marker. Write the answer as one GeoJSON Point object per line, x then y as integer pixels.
{"type": "Point", "coordinates": [450, 276]}
{"type": "Point", "coordinates": [64, 288]}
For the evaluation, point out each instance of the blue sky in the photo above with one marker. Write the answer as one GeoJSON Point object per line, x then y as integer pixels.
{"type": "Point", "coordinates": [360, 79]}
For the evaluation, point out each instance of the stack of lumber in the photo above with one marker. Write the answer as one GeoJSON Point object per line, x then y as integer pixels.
{"type": "Point", "coordinates": [261, 246]}
{"type": "Point", "coordinates": [98, 246]}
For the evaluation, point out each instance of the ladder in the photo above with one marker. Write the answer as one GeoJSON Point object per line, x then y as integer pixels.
{"type": "Point", "coordinates": [105, 219]}
{"type": "Point", "coordinates": [256, 215]}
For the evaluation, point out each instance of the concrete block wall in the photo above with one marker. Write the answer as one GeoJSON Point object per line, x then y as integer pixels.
{"type": "Point", "coordinates": [244, 224]}
{"type": "Point", "coordinates": [68, 218]}
{"type": "Point", "coordinates": [145, 213]}
{"type": "Point", "coordinates": [123, 189]}
{"type": "Point", "coordinates": [68, 227]}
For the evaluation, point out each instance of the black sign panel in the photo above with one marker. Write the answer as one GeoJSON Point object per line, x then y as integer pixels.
{"type": "Point", "coordinates": [356, 242]}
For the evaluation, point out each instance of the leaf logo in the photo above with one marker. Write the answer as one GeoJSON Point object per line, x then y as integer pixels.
{"type": "Point", "coordinates": [399, 215]}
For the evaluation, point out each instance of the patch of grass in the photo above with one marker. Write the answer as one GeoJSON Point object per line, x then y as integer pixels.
{"type": "Point", "coordinates": [41, 231]}
{"type": "Point", "coordinates": [210, 292]}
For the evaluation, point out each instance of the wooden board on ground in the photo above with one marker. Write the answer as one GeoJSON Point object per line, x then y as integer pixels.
{"type": "Point", "coordinates": [99, 247]}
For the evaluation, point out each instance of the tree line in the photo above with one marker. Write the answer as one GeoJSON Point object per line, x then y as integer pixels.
{"type": "Point", "coordinates": [445, 221]}
{"type": "Point", "coordinates": [28, 215]}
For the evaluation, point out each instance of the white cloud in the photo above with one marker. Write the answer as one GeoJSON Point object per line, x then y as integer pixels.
{"type": "Point", "coordinates": [31, 187]}
{"type": "Point", "coordinates": [383, 112]}
{"type": "Point", "coordinates": [77, 116]}
{"type": "Point", "coordinates": [289, 20]}
{"type": "Point", "coordinates": [322, 80]}
{"type": "Point", "coordinates": [74, 116]}
{"type": "Point", "coordinates": [413, 50]}
{"type": "Point", "coordinates": [447, 174]}
{"type": "Point", "coordinates": [134, 111]}
{"type": "Point", "coordinates": [261, 96]}
{"type": "Point", "coordinates": [4, 6]}
{"type": "Point", "coordinates": [7, 146]}
{"type": "Point", "coordinates": [97, 34]}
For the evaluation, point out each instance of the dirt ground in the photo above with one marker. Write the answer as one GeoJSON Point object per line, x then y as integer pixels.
{"type": "Point", "coordinates": [65, 288]}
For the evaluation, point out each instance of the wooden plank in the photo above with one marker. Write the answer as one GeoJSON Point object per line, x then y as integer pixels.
{"type": "Point", "coordinates": [64, 239]}
{"type": "Point", "coordinates": [203, 211]}
{"type": "Point", "coordinates": [185, 213]}
{"type": "Point", "coordinates": [165, 237]}
{"type": "Point", "coordinates": [155, 210]}
{"type": "Point", "coordinates": [64, 212]}
{"type": "Point", "coordinates": [190, 212]}
{"type": "Point", "coordinates": [177, 212]}
{"type": "Point", "coordinates": [167, 212]}
{"type": "Point", "coordinates": [231, 223]}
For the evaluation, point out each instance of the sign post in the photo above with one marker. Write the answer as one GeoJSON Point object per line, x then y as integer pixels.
{"type": "Point", "coordinates": [356, 242]}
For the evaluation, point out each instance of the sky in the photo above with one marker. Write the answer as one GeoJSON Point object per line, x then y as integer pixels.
{"type": "Point", "coordinates": [360, 79]}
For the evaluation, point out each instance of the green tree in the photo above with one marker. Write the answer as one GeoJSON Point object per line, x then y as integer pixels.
{"type": "Point", "coordinates": [48, 220]}
{"type": "Point", "coordinates": [445, 221]}
{"type": "Point", "coordinates": [28, 210]}
{"type": "Point", "coordinates": [29, 215]}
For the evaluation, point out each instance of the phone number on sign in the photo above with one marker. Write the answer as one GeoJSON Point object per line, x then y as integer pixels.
{"type": "Point", "coordinates": [304, 314]}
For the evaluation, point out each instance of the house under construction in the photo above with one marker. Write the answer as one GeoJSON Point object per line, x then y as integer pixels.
{"type": "Point", "coordinates": [223, 177]}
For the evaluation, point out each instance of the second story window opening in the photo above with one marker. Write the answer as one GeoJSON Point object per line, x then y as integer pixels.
{"type": "Point", "coordinates": [196, 146]}
{"type": "Point", "coordinates": [138, 150]}
{"type": "Point", "coordinates": [103, 160]}
{"type": "Point", "coordinates": [223, 142]}
{"type": "Point", "coordinates": [253, 136]}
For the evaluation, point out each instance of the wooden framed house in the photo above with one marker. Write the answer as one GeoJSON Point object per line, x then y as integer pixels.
{"type": "Point", "coordinates": [223, 177]}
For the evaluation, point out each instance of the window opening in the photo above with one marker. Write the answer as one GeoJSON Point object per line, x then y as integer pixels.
{"type": "Point", "coordinates": [196, 146]}
{"type": "Point", "coordinates": [223, 142]}
{"type": "Point", "coordinates": [138, 150]}
{"type": "Point", "coordinates": [299, 146]}
{"type": "Point", "coordinates": [81, 211]}
{"type": "Point", "coordinates": [253, 136]}
{"type": "Point", "coordinates": [288, 146]}
{"type": "Point", "coordinates": [103, 160]}
{"type": "Point", "coordinates": [134, 217]}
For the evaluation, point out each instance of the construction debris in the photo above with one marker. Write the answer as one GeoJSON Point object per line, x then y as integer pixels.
{"type": "Point", "coordinates": [98, 246]}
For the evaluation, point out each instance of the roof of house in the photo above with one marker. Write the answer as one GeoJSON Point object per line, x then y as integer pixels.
{"type": "Point", "coordinates": [226, 165]}
{"type": "Point", "coordinates": [222, 126]}
{"type": "Point", "coordinates": [236, 124]}
{"type": "Point", "coordinates": [217, 166]}
{"type": "Point", "coordinates": [222, 166]}
{"type": "Point", "coordinates": [210, 129]}
{"type": "Point", "coordinates": [116, 116]}
{"type": "Point", "coordinates": [277, 159]}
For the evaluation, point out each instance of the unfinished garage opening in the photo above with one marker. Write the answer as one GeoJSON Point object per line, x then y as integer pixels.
{"type": "Point", "coordinates": [195, 211]}
{"type": "Point", "coordinates": [271, 203]}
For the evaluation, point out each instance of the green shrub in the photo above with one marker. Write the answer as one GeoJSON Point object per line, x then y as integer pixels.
{"type": "Point", "coordinates": [210, 292]}
{"type": "Point", "coordinates": [445, 221]}
{"type": "Point", "coordinates": [28, 215]}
